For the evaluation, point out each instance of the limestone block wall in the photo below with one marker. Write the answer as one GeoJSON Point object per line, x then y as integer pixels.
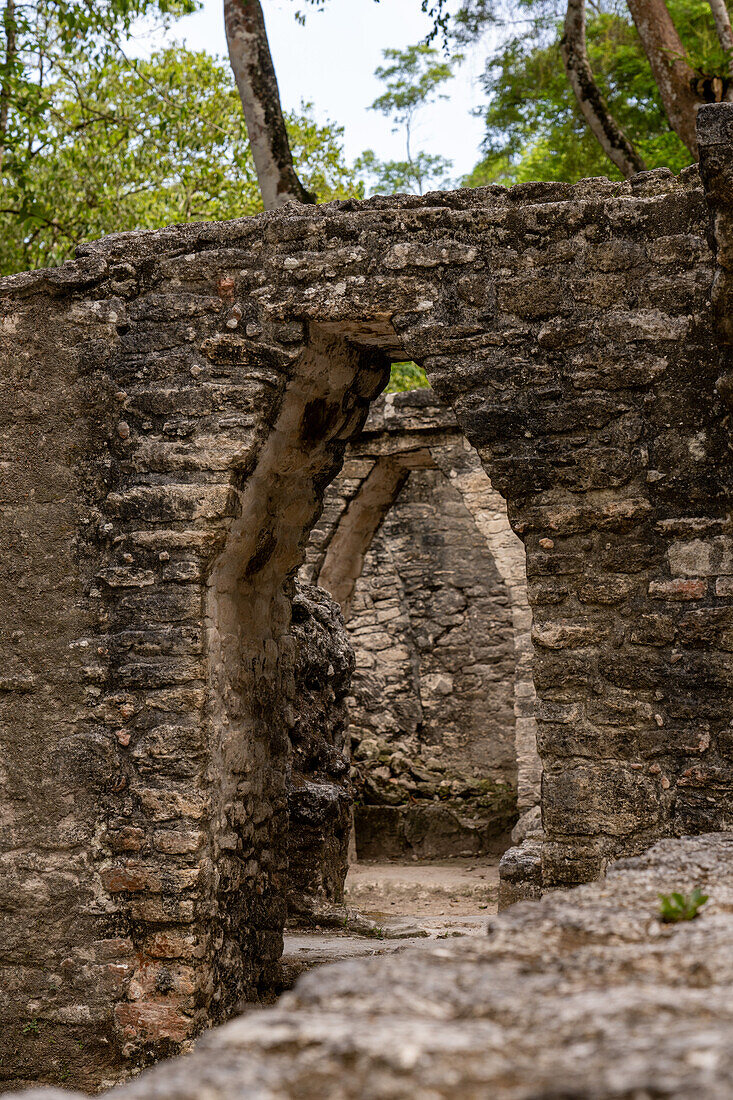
{"type": "Point", "coordinates": [462, 465]}
{"type": "Point", "coordinates": [162, 474]}
{"type": "Point", "coordinates": [175, 404]}
{"type": "Point", "coordinates": [440, 642]}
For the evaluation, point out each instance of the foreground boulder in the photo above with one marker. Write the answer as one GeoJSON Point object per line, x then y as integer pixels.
{"type": "Point", "coordinates": [585, 994]}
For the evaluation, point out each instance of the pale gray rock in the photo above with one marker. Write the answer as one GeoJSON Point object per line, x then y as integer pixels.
{"type": "Point", "coordinates": [584, 995]}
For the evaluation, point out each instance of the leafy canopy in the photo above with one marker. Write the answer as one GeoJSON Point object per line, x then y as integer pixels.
{"type": "Point", "coordinates": [406, 376]}
{"type": "Point", "coordinates": [138, 146]}
{"type": "Point", "coordinates": [534, 129]}
{"type": "Point", "coordinates": [43, 40]}
{"type": "Point", "coordinates": [414, 78]}
{"type": "Point", "coordinates": [393, 177]}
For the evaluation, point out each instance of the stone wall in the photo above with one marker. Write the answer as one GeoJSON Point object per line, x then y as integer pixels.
{"type": "Point", "coordinates": [175, 405]}
{"type": "Point", "coordinates": [432, 719]}
{"type": "Point", "coordinates": [163, 480]}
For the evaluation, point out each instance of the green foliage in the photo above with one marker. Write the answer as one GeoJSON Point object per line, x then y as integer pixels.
{"type": "Point", "coordinates": [138, 146]}
{"type": "Point", "coordinates": [413, 78]}
{"type": "Point", "coordinates": [534, 129]}
{"type": "Point", "coordinates": [42, 39]}
{"type": "Point", "coordinates": [394, 177]}
{"type": "Point", "coordinates": [676, 907]}
{"type": "Point", "coordinates": [406, 376]}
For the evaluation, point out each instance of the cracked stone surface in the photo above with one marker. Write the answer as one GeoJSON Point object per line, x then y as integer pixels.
{"type": "Point", "coordinates": [584, 994]}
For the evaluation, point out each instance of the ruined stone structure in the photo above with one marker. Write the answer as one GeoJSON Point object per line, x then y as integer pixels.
{"type": "Point", "coordinates": [175, 404]}
{"type": "Point", "coordinates": [416, 544]}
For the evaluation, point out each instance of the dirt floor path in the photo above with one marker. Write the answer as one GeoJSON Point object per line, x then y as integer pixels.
{"type": "Point", "coordinates": [433, 889]}
{"type": "Point", "coordinates": [411, 904]}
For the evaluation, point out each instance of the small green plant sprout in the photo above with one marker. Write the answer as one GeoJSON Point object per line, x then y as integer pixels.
{"type": "Point", "coordinates": [31, 1026]}
{"type": "Point", "coordinates": [675, 907]}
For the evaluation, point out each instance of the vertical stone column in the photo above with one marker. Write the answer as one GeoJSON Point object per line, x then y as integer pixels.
{"type": "Point", "coordinates": [432, 716]}
{"type": "Point", "coordinates": [164, 473]}
{"type": "Point", "coordinates": [582, 368]}
{"type": "Point", "coordinates": [715, 141]}
{"type": "Point", "coordinates": [463, 466]}
{"type": "Point", "coordinates": [64, 955]}
{"type": "Point", "coordinates": [319, 790]}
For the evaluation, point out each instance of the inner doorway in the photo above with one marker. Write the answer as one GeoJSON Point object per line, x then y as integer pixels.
{"type": "Point", "coordinates": [415, 546]}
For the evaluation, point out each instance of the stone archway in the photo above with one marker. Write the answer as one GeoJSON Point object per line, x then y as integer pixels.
{"type": "Point", "coordinates": [412, 436]}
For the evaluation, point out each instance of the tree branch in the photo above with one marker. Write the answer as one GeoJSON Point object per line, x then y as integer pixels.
{"type": "Point", "coordinates": [254, 72]}
{"type": "Point", "coordinates": [671, 69]}
{"type": "Point", "coordinates": [596, 112]}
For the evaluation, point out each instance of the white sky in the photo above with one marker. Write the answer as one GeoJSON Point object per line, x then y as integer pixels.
{"type": "Point", "coordinates": [331, 62]}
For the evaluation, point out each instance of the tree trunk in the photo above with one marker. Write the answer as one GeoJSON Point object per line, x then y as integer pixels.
{"type": "Point", "coordinates": [723, 27]}
{"type": "Point", "coordinates": [254, 72]}
{"type": "Point", "coordinates": [672, 72]}
{"type": "Point", "coordinates": [601, 122]}
{"type": "Point", "coordinates": [11, 53]}
{"type": "Point", "coordinates": [725, 36]}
